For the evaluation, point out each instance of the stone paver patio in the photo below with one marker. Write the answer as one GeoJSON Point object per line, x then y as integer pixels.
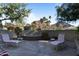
{"type": "Point", "coordinates": [38, 48]}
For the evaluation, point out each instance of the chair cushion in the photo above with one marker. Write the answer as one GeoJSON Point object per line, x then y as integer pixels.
{"type": "Point", "coordinates": [56, 42]}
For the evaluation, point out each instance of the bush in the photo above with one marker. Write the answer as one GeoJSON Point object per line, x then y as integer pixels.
{"type": "Point", "coordinates": [26, 27]}
{"type": "Point", "coordinates": [10, 28]}
{"type": "Point", "coordinates": [78, 29]}
{"type": "Point", "coordinates": [18, 31]}
{"type": "Point", "coordinates": [38, 29]}
{"type": "Point", "coordinates": [1, 26]}
{"type": "Point", "coordinates": [45, 36]}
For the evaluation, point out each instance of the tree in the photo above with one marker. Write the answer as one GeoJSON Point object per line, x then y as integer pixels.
{"type": "Point", "coordinates": [50, 17]}
{"type": "Point", "coordinates": [43, 19]}
{"type": "Point", "coordinates": [68, 12]}
{"type": "Point", "coordinates": [33, 25]}
{"type": "Point", "coordinates": [48, 22]}
{"type": "Point", "coordinates": [45, 22]}
{"type": "Point", "coordinates": [14, 11]}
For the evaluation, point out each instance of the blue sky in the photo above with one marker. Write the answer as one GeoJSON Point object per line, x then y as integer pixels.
{"type": "Point", "coordinates": [40, 10]}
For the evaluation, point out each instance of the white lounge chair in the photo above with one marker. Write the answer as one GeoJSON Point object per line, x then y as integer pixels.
{"type": "Point", "coordinates": [6, 39]}
{"type": "Point", "coordinates": [58, 42]}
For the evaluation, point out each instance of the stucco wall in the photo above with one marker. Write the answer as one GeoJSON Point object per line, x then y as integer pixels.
{"type": "Point", "coordinates": [69, 34]}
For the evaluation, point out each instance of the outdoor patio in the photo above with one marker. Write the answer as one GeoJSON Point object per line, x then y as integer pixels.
{"type": "Point", "coordinates": [39, 48]}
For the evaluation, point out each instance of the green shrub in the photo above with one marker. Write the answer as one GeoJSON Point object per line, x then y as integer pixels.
{"type": "Point", "coordinates": [10, 28]}
{"type": "Point", "coordinates": [1, 26]}
{"type": "Point", "coordinates": [38, 29]}
{"type": "Point", "coordinates": [18, 31]}
{"type": "Point", "coordinates": [78, 29]}
{"type": "Point", "coordinates": [27, 27]}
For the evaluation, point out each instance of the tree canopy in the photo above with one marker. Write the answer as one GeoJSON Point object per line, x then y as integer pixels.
{"type": "Point", "coordinates": [68, 12]}
{"type": "Point", "coordinates": [14, 11]}
{"type": "Point", "coordinates": [45, 19]}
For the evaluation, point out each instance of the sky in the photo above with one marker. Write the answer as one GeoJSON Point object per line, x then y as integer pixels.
{"type": "Point", "coordinates": [40, 10]}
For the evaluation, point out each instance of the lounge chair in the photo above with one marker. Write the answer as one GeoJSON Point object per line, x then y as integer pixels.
{"type": "Point", "coordinates": [4, 53]}
{"type": "Point", "coordinates": [59, 42]}
{"type": "Point", "coordinates": [6, 39]}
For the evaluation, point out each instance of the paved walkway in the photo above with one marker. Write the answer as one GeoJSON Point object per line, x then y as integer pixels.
{"type": "Point", "coordinates": [39, 48]}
